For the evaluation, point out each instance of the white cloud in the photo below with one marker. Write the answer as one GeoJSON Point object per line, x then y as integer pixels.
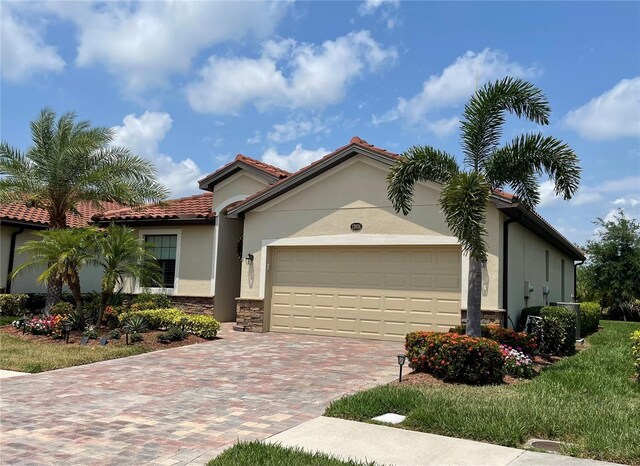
{"type": "Point", "coordinates": [255, 139]}
{"type": "Point", "coordinates": [594, 194]}
{"type": "Point", "coordinates": [369, 7]}
{"type": "Point", "coordinates": [296, 129]}
{"type": "Point", "coordinates": [143, 43]}
{"type": "Point", "coordinates": [287, 74]}
{"type": "Point", "coordinates": [296, 159]}
{"type": "Point", "coordinates": [142, 135]}
{"type": "Point", "coordinates": [22, 47]}
{"type": "Point", "coordinates": [622, 201]}
{"type": "Point", "coordinates": [443, 126]}
{"type": "Point", "coordinates": [453, 87]}
{"type": "Point", "coordinates": [616, 113]}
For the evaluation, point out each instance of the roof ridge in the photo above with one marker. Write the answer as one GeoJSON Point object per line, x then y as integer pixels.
{"type": "Point", "coordinates": [154, 204]}
{"type": "Point", "coordinates": [252, 161]}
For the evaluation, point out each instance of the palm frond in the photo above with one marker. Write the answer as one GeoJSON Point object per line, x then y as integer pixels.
{"type": "Point", "coordinates": [484, 115]}
{"type": "Point", "coordinates": [464, 203]}
{"type": "Point", "coordinates": [417, 164]}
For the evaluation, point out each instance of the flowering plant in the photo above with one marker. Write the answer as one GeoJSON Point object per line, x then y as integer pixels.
{"type": "Point", "coordinates": [51, 325]}
{"type": "Point", "coordinates": [516, 363]}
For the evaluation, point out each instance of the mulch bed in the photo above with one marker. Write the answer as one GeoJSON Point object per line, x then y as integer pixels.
{"type": "Point", "coordinates": [150, 339]}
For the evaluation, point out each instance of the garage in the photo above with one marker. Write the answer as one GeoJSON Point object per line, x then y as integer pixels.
{"type": "Point", "coordinates": [376, 293]}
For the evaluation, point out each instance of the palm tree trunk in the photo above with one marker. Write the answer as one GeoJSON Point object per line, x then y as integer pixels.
{"type": "Point", "coordinates": [474, 298]}
{"type": "Point", "coordinates": [54, 284]}
{"type": "Point", "coordinates": [73, 280]}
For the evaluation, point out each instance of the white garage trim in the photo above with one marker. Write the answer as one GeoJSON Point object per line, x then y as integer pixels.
{"type": "Point", "coordinates": [357, 239]}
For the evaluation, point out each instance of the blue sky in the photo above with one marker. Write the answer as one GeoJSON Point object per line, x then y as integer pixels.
{"type": "Point", "coordinates": [191, 84]}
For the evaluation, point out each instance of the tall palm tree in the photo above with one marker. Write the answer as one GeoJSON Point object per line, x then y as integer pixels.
{"type": "Point", "coordinates": [62, 253]}
{"type": "Point", "coordinates": [122, 255]}
{"type": "Point", "coordinates": [488, 165]}
{"type": "Point", "coordinates": [71, 162]}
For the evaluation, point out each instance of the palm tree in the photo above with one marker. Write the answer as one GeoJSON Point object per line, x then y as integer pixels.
{"type": "Point", "coordinates": [71, 162]}
{"type": "Point", "coordinates": [121, 254]}
{"type": "Point", "coordinates": [62, 253]}
{"type": "Point", "coordinates": [488, 166]}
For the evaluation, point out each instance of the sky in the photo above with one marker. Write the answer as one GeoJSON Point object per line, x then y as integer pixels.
{"type": "Point", "coordinates": [191, 84]}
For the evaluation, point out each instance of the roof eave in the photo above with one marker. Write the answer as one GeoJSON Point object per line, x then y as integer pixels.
{"type": "Point", "coordinates": [176, 220]}
{"type": "Point", "coordinates": [208, 182]}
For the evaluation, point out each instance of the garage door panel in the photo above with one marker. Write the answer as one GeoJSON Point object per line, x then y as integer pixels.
{"type": "Point", "coordinates": [363, 292]}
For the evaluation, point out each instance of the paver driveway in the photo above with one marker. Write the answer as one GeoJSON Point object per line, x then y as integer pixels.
{"type": "Point", "coordinates": [182, 406]}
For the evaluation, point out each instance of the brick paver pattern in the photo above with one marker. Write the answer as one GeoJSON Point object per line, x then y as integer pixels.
{"type": "Point", "coordinates": [184, 405]}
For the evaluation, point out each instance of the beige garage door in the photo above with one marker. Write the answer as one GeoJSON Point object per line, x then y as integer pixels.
{"type": "Point", "coordinates": [376, 293]}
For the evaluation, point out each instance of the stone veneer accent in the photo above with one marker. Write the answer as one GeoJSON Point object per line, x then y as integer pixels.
{"type": "Point", "coordinates": [194, 304]}
{"type": "Point", "coordinates": [489, 316]}
{"type": "Point", "coordinates": [250, 315]}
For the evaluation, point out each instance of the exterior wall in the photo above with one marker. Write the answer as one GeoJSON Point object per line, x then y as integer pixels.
{"type": "Point", "coordinates": [194, 259]}
{"type": "Point", "coordinates": [228, 266]}
{"type": "Point", "coordinates": [27, 281]}
{"type": "Point", "coordinates": [527, 263]}
{"type": "Point", "coordinates": [355, 191]}
{"type": "Point", "coordinates": [238, 186]}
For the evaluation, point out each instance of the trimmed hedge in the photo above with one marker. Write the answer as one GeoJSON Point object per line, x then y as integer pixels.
{"type": "Point", "coordinates": [454, 357]}
{"type": "Point", "coordinates": [557, 331]}
{"type": "Point", "coordinates": [635, 345]}
{"type": "Point", "coordinates": [200, 325]}
{"type": "Point", "coordinates": [159, 301]}
{"type": "Point", "coordinates": [12, 304]}
{"type": "Point", "coordinates": [519, 341]}
{"type": "Point", "coordinates": [589, 318]}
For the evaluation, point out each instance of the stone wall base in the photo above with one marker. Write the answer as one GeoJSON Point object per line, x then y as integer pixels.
{"type": "Point", "coordinates": [189, 304]}
{"type": "Point", "coordinates": [250, 315]}
{"type": "Point", "coordinates": [489, 316]}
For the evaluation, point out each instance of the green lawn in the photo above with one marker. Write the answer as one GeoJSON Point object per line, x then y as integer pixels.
{"type": "Point", "coordinates": [589, 400]}
{"type": "Point", "coordinates": [260, 454]}
{"type": "Point", "coordinates": [6, 320]}
{"type": "Point", "coordinates": [30, 356]}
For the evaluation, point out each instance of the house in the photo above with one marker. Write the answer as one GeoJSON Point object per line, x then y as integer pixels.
{"type": "Point", "coordinates": [322, 251]}
{"type": "Point", "coordinates": [18, 224]}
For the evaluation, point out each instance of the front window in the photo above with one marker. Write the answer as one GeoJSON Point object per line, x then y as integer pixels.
{"type": "Point", "coordinates": [164, 250]}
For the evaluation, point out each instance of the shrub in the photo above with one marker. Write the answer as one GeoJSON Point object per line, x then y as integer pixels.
{"type": "Point", "coordinates": [115, 334]}
{"type": "Point", "coordinates": [62, 308]}
{"type": "Point", "coordinates": [635, 345]}
{"type": "Point", "coordinates": [557, 331]}
{"type": "Point", "coordinates": [35, 302]}
{"type": "Point", "coordinates": [51, 326]}
{"type": "Point", "coordinates": [173, 334]}
{"type": "Point", "coordinates": [455, 357]}
{"type": "Point", "coordinates": [520, 341]}
{"type": "Point", "coordinates": [526, 312]}
{"type": "Point", "coordinates": [627, 310]}
{"type": "Point", "coordinates": [136, 337]}
{"type": "Point", "coordinates": [143, 306]}
{"type": "Point", "coordinates": [200, 325]}
{"type": "Point", "coordinates": [517, 364]}
{"type": "Point", "coordinates": [136, 324]}
{"type": "Point", "coordinates": [12, 304]}
{"type": "Point", "coordinates": [589, 318]}
{"type": "Point", "coordinates": [160, 301]}
{"type": "Point", "coordinates": [91, 332]}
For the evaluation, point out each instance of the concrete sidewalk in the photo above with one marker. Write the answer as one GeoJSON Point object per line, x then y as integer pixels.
{"type": "Point", "coordinates": [393, 446]}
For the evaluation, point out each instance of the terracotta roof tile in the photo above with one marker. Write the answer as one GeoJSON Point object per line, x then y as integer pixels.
{"type": "Point", "coordinates": [22, 213]}
{"type": "Point", "coordinates": [197, 206]}
{"type": "Point", "coordinates": [265, 167]}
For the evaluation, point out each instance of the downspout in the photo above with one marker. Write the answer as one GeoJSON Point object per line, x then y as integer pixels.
{"type": "Point", "coordinates": [505, 266]}
{"type": "Point", "coordinates": [575, 280]}
{"type": "Point", "coordinates": [12, 253]}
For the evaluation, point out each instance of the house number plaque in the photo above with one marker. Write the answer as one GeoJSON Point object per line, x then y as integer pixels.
{"type": "Point", "coordinates": [356, 226]}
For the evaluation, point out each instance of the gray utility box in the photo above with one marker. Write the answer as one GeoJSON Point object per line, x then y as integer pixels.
{"type": "Point", "coordinates": [576, 308]}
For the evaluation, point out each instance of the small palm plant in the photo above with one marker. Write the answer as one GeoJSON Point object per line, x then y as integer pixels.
{"type": "Point", "coordinates": [136, 324]}
{"type": "Point", "coordinates": [488, 166]}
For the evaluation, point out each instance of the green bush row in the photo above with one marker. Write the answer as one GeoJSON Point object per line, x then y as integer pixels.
{"type": "Point", "coordinates": [556, 331]}
{"type": "Point", "coordinates": [589, 318]}
{"type": "Point", "coordinates": [12, 304]}
{"type": "Point", "coordinates": [200, 325]}
{"type": "Point", "coordinates": [454, 357]}
{"type": "Point", "coordinates": [520, 341]}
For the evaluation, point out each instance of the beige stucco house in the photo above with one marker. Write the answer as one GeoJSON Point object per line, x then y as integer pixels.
{"type": "Point", "coordinates": [322, 251]}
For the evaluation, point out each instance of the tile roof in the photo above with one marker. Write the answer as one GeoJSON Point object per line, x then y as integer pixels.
{"type": "Point", "coordinates": [197, 206]}
{"type": "Point", "coordinates": [22, 213]}
{"type": "Point", "coordinates": [265, 167]}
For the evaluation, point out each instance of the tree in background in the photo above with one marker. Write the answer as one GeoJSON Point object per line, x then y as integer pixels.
{"type": "Point", "coordinates": [488, 166]}
{"type": "Point", "coordinates": [121, 254]}
{"type": "Point", "coordinates": [611, 273]}
{"type": "Point", "coordinates": [70, 162]}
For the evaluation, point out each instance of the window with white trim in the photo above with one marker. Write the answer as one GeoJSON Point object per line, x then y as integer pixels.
{"type": "Point", "coordinates": [164, 250]}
